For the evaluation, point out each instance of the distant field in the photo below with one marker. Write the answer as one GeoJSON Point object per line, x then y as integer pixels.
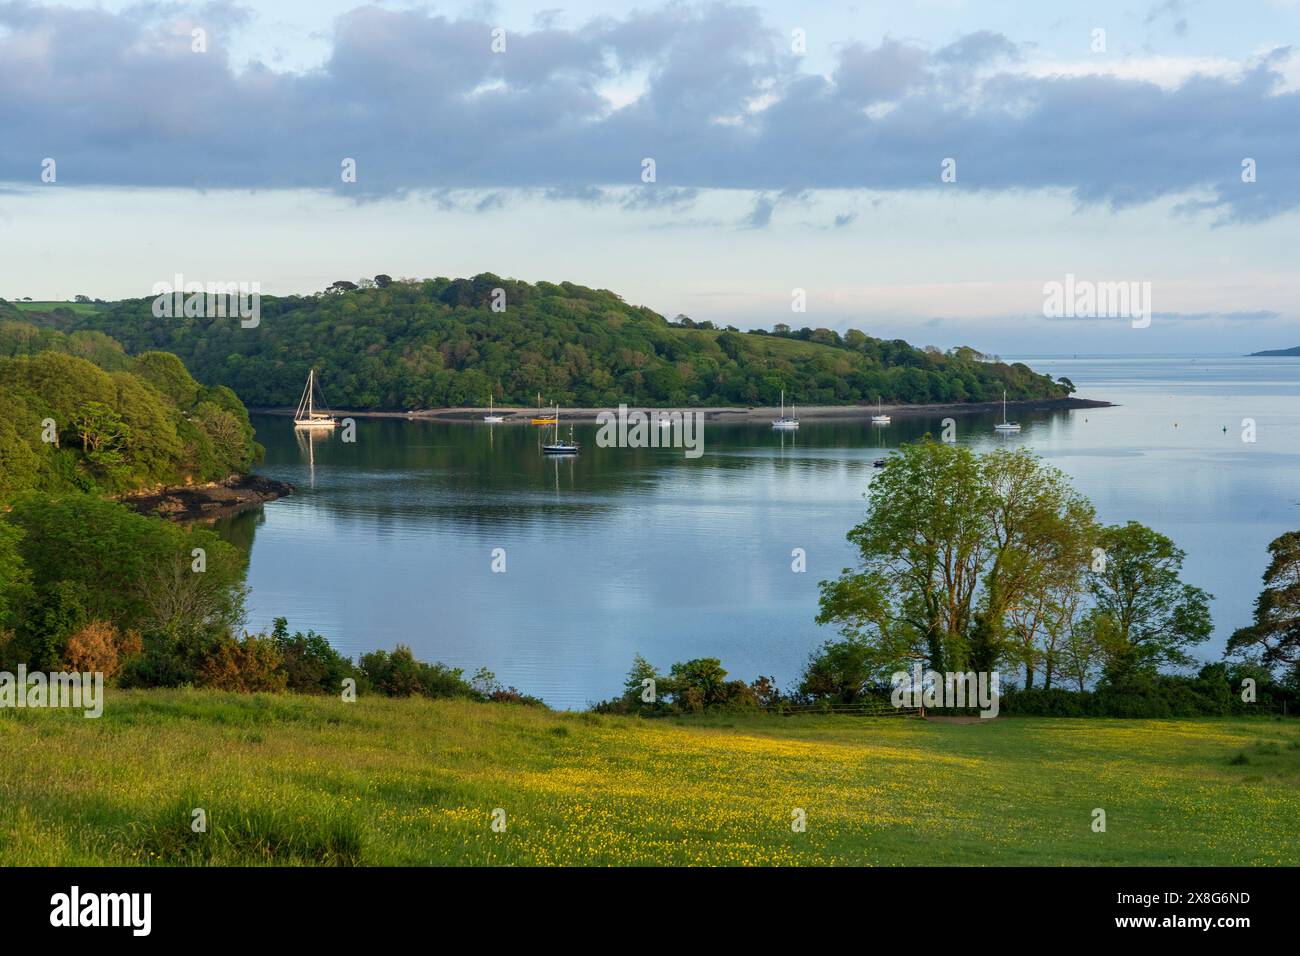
{"type": "Point", "coordinates": [81, 308]}
{"type": "Point", "coordinates": [291, 780]}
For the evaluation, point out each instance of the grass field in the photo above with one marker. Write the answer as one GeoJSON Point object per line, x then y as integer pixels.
{"type": "Point", "coordinates": [298, 780]}
{"type": "Point", "coordinates": [81, 308]}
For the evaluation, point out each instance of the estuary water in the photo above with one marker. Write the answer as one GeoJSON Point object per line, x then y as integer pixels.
{"type": "Point", "coordinates": [392, 538]}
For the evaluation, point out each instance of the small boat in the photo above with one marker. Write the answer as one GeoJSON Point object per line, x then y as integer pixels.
{"type": "Point", "coordinates": [880, 463]}
{"type": "Point", "coordinates": [880, 418]}
{"type": "Point", "coordinates": [783, 423]}
{"type": "Point", "coordinates": [1004, 425]}
{"type": "Point", "coordinates": [542, 418]}
{"type": "Point", "coordinates": [558, 447]}
{"type": "Point", "coordinates": [491, 417]}
{"type": "Point", "coordinates": [306, 415]}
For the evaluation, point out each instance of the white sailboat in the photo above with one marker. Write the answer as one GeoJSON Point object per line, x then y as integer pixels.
{"type": "Point", "coordinates": [1004, 425]}
{"type": "Point", "coordinates": [492, 418]}
{"type": "Point", "coordinates": [783, 423]}
{"type": "Point", "coordinates": [880, 418]}
{"type": "Point", "coordinates": [306, 415]}
{"type": "Point", "coordinates": [558, 447]}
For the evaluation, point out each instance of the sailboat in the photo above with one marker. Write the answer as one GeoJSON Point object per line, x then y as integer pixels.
{"type": "Point", "coordinates": [492, 418]}
{"type": "Point", "coordinates": [558, 447]}
{"type": "Point", "coordinates": [306, 415]}
{"type": "Point", "coordinates": [783, 423]}
{"type": "Point", "coordinates": [880, 418]}
{"type": "Point", "coordinates": [540, 418]}
{"type": "Point", "coordinates": [1004, 425]}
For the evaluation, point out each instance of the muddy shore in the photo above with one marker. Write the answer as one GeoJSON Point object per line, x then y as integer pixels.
{"type": "Point", "coordinates": [720, 415]}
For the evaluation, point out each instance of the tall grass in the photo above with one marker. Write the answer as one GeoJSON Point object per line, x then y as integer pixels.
{"type": "Point", "coordinates": [289, 780]}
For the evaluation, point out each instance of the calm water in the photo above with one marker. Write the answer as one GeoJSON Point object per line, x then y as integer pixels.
{"type": "Point", "coordinates": [623, 551]}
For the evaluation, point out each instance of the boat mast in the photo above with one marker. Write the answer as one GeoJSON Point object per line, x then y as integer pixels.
{"type": "Point", "coordinates": [302, 400]}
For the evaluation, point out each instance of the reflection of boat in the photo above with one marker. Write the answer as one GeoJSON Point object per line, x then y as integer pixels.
{"type": "Point", "coordinates": [544, 418]}
{"type": "Point", "coordinates": [306, 415]}
{"type": "Point", "coordinates": [491, 417]}
{"type": "Point", "coordinates": [783, 423]}
{"type": "Point", "coordinates": [880, 418]}
{"type": "Point", "coordinates": [558, 447]}
{"type": "Point", "coordinates": [1004, 425]}
{"type": "Point", "coordinates": [307, 439]}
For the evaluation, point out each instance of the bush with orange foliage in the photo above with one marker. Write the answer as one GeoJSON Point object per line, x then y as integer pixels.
{"type": "Point", "coordinates": [100, 648]}
{"type": "Point", "coordinates": [251, 665]}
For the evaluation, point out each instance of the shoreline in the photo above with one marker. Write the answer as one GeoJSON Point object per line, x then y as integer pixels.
{"type": "Point", "coordinates": [718, 415]}
{"type": "Point", "coordinates": [208, 501]}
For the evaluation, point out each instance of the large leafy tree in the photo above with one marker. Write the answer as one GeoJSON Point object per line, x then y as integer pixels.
{"type": "Point", "coordinates": [1043, 532]}
{"type": "Point", "coordinates": [1274, 635]}
{"type": "Point", "coordinates": [953, 548]}
{"type": "Point", "coordinates": [1154, 617]}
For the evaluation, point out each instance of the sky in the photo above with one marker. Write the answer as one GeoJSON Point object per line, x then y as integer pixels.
{"type": "Point", "coordinates": [919, 171]}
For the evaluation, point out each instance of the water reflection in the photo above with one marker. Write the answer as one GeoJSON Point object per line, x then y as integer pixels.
{"type": "Point", "coordinates": [622, 551]}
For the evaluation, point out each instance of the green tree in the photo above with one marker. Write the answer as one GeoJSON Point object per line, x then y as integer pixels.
{"type": "Point", "coordinates": [14, 575]}
{"type": "Point", "coordinates": [1138, 585]}
{"type": "Point", "coordinates": [1274, 635]}
{"type": "Point", "coordinates": [956, 551]}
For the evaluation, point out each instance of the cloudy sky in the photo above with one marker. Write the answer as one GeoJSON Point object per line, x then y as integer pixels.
{"type": "Point", "coordinates": [792, 150]}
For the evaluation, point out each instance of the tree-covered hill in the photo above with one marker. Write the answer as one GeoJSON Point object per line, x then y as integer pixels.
{"type": "Point", "coordinates": [78, 414]}
{"type": "Point", "coordinates": [385, 344]}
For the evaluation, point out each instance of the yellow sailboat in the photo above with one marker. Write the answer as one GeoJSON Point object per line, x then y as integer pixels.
{"type": "Point", "coordinates": [543, 418]}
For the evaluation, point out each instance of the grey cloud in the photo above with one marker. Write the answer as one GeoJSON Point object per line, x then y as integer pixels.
{"type": "Point", "coordinates": [423, 104]}
{"type": "Point", "coordinates": [978, 49]}
{"type": "Point", "coordinates": [654, 196]}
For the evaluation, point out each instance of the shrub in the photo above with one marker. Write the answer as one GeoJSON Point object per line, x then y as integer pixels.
{"type": "Point", "coordinates": [840, 672]}
{"type": "Point", "coordinates": [248, 666]}
{"type": "Point", "coordinates": [509, 695]}
{"type": "Point", "coordinates": [693, 686]}
{"type": "Point", "coordinates": [100, 647]}
{"type": "Point", "coordinates": [160, 664]}
{"type": "Point", "coordinates": [1046, 702]}
{"type": "Point", "coordinates": [311, 665]}
{"type": "Point", "coordinates": [399, 674]}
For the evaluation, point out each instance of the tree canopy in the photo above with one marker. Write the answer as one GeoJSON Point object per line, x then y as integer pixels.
{"type": "Point", "coordinates": [970, 561]}
{"type": "Point", "coordinates": [440, 342]}
{"type": "Point", "coordinates": [69, 424]}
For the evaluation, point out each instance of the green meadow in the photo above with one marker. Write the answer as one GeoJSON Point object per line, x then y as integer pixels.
{"type": "Point", "coordinates": [292, 780]}
{"type": "Point", "coordinates": [80, 308]}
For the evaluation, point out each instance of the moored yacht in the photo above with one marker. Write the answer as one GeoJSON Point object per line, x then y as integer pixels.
{"type": "Point", "coordinates": [306, 415]}
{"type": "Point", "coordinates": [783, 423]}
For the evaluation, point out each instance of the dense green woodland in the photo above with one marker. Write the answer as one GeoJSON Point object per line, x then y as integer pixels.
{"type": "Point", "coordinates": [77, 413]}
{"type": "Point", "coordinates": [416, 344]}
{"type": "Point", "coordinates": [83, 580]}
